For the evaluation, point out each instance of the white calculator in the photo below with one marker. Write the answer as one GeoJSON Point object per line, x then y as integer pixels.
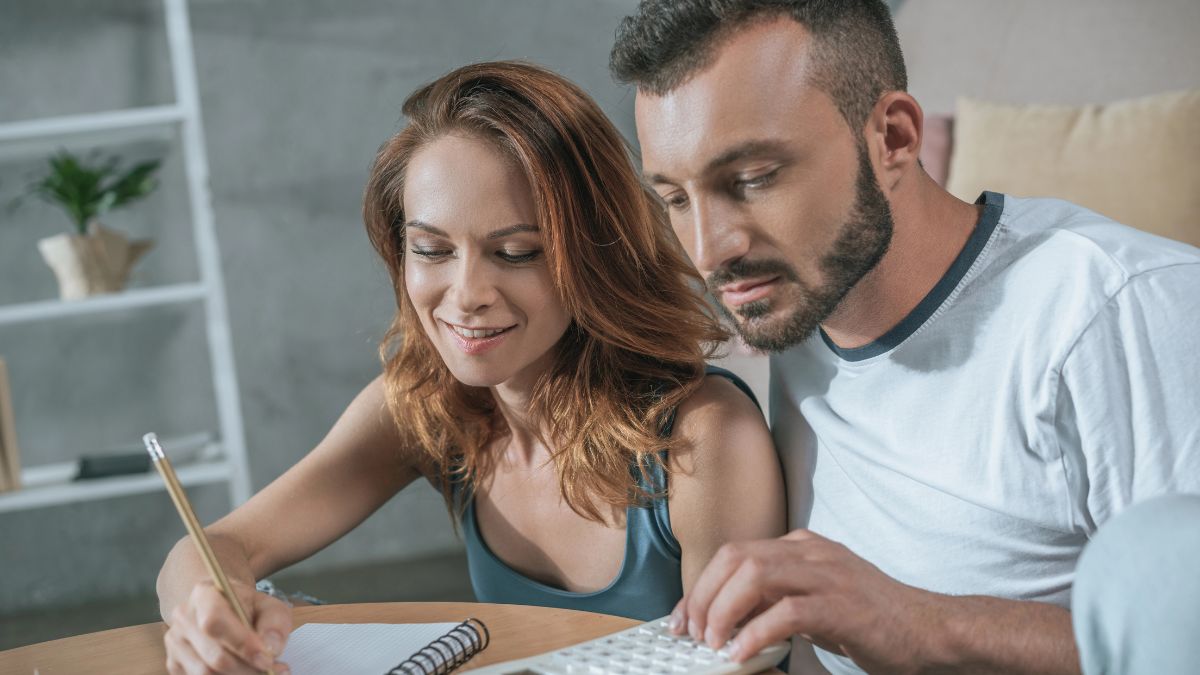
{"type": "Point", "coordinates": [648, 649]}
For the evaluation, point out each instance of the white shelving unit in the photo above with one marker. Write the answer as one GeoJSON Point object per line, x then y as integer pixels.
{"type": "Point", "coordinates": [199, 457]}
{"type": "Point", "coordinates": [202, 458]}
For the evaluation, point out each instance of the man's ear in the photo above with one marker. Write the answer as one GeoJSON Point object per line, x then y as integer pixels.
{"type": "Point", "coordinates": [894, 136]}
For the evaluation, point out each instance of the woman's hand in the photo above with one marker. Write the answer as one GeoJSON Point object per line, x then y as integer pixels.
{"type": "Point", "coordinates": [206, 636]}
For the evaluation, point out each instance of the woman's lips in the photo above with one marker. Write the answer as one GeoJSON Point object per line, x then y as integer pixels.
{"type": "Point", "coordinates": [742, 292]}
{"type": "Point", "coordinates": [477, 345]}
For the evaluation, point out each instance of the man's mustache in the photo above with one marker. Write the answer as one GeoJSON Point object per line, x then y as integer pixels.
{"type": "Point", "coordinates": [741, 269]}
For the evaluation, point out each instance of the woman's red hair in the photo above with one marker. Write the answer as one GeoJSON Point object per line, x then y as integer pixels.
{"type": "Point", "coordinates": [640, 329]}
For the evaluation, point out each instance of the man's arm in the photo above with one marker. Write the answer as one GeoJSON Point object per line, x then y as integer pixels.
{"type": "Point", "coordinates": [804, 584]}
{"type": "Point", "coordinates": [1128, 398]}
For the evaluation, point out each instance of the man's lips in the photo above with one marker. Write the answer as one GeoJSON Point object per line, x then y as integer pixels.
{"type": "Point", "coordinates": [742, 292]}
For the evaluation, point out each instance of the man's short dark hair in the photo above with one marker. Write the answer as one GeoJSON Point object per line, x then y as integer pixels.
{"type": "Point", "coordinates": [855, 50]}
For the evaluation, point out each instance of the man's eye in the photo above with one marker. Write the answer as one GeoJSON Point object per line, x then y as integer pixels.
{"type": "Point", "coordinates": [754, 182]}
{"type": "Point", "coordinates": [431, 253]}
{"type": "Point", "coordinates": [676, 200]}
{"type": "Point", "coordinates": [518, 256]}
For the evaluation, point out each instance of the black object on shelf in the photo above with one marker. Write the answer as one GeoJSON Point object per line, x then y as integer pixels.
{"type": "Point", "coordinates": [103, 466]}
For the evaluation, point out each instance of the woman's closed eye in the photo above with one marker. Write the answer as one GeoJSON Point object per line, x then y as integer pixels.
{"type": "Point", "coordinates": [431, 253]}
{"type": "Point", "coordinates": [518, 255]}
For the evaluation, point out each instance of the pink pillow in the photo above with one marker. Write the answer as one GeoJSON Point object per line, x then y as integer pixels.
{"type": "Point", "coordinates": [936, 145]}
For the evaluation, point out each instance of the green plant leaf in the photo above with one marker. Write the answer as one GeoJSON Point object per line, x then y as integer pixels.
{"type": "Point", "coordinates": [135, 184]}
{"type": "Point", "coordinates": [86, 190]}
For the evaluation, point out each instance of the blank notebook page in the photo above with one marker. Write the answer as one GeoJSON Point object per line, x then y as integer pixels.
{"type": "Point", "coordinates": [369, 648]}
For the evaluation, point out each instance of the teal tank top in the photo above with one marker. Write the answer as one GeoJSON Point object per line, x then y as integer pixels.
{"type": "Point", "coordinates": [648, 584]}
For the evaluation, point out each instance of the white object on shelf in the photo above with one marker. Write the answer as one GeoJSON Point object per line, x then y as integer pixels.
{"type": "Point", "coordinates": [197, 458]}
{"type": "Point", "coordinates": [119, 126]}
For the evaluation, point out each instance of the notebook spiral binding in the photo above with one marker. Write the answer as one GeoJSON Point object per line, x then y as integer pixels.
{"type": "Point", "coordinates": [448, 652]}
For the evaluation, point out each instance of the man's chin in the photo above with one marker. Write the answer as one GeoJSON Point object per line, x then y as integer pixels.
{"type": "Point", "coordinates": [774, 332]}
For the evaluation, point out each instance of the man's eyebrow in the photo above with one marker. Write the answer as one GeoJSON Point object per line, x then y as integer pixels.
{"type": "Point", "coordinates": [738, 152]}
{"type": "Point", "coordinates": [742, 151]}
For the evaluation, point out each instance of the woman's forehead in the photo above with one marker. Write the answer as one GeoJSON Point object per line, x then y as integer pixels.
{"type": "Point", "coordinates": [466, 184]}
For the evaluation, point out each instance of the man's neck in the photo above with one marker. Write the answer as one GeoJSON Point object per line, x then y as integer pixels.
{"type": "Point", "coordinates": [931, 229]}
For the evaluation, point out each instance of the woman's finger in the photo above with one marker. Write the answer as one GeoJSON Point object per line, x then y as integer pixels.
{"type": "Point", "coordinates": [219, 659]}
{"type": "Point", "coordinates": [181, 658]}
{"type": "Point", "coordinates": [219, 637]}
{"type": "Point", "coordinates": [272, 621]}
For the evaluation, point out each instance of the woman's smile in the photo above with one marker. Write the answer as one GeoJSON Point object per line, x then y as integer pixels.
{"type": "Point", "coordinates": [478, 340]}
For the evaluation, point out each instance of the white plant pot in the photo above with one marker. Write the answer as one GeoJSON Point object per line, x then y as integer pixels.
{"type": "Point", "coordinates": [98, 262]}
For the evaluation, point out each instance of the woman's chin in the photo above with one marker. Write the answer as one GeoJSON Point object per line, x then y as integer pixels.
{"type": "Point", "coordinates": [479, 377]}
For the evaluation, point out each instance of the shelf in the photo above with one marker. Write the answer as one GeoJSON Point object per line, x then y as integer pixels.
{"type": "Point", "coordinates": [178, 124]}
{"type": "Point", "coordinates": [114, 302]}
{"type": "Point", "coordinates": [41, 136]}
{"type": "Point", "coordinates": [197, 460]}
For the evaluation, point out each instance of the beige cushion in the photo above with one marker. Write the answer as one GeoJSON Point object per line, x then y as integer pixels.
{"type": "Point", "coordinates": [1135, 161]}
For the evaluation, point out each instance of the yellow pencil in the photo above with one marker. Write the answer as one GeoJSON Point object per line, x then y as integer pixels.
{"type": "Point", "coordinates": [193, 526]}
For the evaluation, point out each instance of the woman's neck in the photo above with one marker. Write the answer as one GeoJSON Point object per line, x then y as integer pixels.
{"type": "Point", "coordinates": [526, 444]}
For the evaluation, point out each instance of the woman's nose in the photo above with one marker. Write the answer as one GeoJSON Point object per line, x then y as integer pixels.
{"type": "Point", "coordinates": [475, 288]}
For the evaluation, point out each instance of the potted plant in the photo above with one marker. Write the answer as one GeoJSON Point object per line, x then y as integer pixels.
{"type": "Point", "coordinates": [92, 259]}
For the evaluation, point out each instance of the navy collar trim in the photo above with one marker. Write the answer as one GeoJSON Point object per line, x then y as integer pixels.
{"type": "Point", "coordinates": [993, 206]}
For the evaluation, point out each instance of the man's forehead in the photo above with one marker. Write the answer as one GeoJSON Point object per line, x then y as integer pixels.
{"type": "Point", "coordinates": [756, 83]}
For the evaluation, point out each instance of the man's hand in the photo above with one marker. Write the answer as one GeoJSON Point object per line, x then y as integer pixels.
{"type": "Point", "coordinates": [804, 584]}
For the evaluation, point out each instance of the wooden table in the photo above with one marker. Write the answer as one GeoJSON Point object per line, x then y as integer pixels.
{"type": "Point", "coordinates": [516, 631]}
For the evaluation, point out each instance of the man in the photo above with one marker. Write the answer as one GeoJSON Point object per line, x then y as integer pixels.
{"type": "Point", "coordinates": [963, 395]}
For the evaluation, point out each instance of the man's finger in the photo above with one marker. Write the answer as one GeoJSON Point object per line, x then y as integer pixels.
{"type": "Point", "coordinates": [757, 584]}
{"type": "Point", "coordinates": [802, 535]}
{"type": "Point", "coordinates": [791, 615]}
{"type": "Point", "coordinates": [727, 559]}
{"type": "Point", "coordinates": [678, 621]}
{"type": "Point", "coordinates": [743, 592]}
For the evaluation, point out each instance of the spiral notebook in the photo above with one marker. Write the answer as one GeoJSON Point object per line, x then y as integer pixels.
{"type": "Point", "coordinates": [383, 648]}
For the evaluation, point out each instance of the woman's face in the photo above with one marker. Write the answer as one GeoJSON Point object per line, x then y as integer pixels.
{"type": "Point", "coordinates": [475, 269]}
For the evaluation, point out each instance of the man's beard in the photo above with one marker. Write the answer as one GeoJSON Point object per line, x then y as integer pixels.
{"type": "Point", "coordinates": [860, 245]}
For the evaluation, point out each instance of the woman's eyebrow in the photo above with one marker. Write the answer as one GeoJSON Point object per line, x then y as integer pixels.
{"type": "Point", "coordinates": [495, 234]}
{"type": "Point", "coordinates": [421, 225]}
{"type": "Point", "coordinates": [514, 229]}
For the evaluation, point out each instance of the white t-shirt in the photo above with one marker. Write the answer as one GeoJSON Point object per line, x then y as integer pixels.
{"type": "Point", "coordinates": [1050, 380]}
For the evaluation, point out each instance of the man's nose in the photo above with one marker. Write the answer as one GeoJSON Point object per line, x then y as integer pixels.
{"type": "Point", "coordinates": [718, 235]}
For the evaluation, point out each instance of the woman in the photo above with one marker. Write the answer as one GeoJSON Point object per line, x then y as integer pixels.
{"type": "Point", "coordinates": [545, 371]}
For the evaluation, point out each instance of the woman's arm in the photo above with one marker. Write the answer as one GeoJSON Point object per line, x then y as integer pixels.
{"type": "Point", "coordinates": [352, 472]}
{"type": "Point", "coordinates": [725, 482]}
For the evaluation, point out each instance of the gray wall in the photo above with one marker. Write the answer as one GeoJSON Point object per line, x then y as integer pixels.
{"type": "Point", "coordinates": [296, 97]}
{"type": "Point", "coordinates": [1032, 51]}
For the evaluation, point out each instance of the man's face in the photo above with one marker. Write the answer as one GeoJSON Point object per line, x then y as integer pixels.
{"type": "Point", "coordinates": [770, 192]}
